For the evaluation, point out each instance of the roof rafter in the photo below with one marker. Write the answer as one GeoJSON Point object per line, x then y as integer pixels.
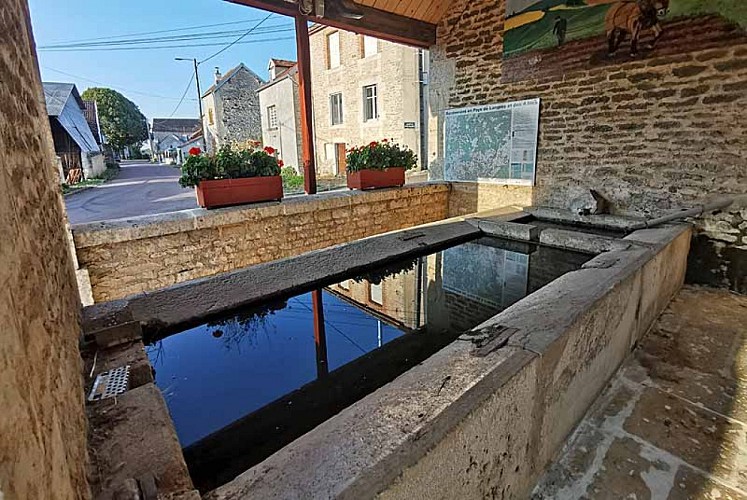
{"type": "Point", "coordinates": [375, 22]}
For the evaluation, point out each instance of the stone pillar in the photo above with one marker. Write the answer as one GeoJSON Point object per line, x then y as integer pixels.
{"type": "Point", "coordinates": [42, 422]}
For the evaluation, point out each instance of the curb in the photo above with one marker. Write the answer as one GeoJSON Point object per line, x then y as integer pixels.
{"type": "Point", "coordinates": [76, 191]}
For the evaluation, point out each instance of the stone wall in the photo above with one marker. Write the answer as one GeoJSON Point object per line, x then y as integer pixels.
{"type": "Point", "coordinates": [42, 425]}
{"type": "Point", "coordinates": [146, 253]}
{"type": "Point", "coordinates": [470, 197]}
{"type": "Point", "coordinates": [238, 108]}
{"type": "Point", "coordinates": [650, 134]}
{"type": "Point", "coordinates": [234, 109]}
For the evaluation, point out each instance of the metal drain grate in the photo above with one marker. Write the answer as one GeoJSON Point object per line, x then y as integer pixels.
{"type": "Point", "coordinates": [110, 384]}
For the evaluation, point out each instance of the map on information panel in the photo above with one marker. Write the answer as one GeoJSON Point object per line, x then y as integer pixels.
{"type": "Point", "coordinates": [494, 143]}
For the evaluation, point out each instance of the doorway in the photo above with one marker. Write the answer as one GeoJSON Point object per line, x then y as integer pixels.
{"type": "Point", "coordinates": [341, 161]}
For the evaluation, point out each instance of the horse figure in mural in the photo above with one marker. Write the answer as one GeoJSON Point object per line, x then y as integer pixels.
{"type": "Point", "coordinates": [632, 17]}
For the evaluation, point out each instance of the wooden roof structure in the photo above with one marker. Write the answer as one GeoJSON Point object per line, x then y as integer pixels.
{"type": "Point", "coordinates": [429, 11]}
{"type": "Point", "coordinates": [411, 22]}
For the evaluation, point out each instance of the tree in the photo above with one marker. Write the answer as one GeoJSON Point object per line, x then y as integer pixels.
{"type": "Point", "coordinates": [121, 121]}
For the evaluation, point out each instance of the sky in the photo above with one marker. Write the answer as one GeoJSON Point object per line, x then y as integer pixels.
{"type": "Point", "coordinates": [151, 78]}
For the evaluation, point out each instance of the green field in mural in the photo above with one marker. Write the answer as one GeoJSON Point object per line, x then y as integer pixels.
{"type": "Point", "coordinates": [543, 24]}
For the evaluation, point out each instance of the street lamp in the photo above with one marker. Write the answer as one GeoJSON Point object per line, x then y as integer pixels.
{"type": "Point", "coordinates": [199, 95]}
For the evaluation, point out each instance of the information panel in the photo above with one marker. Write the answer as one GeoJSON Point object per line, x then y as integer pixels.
{"type": "Point", "coordinates": [493, 143]}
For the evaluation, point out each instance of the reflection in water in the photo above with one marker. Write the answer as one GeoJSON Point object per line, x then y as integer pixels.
{"type": "Point", "coordinates": [241, 387]}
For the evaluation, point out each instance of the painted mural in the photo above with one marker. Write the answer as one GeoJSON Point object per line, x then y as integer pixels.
{"type": "Point", "coordinates": [569, 32]}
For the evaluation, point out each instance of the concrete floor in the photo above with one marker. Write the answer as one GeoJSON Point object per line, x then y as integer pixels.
{"type": "Point", "coordinates": [673, 422]}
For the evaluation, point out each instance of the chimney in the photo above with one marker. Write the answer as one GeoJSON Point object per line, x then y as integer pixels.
{"type": "Point", "coordinates": [217, 74]}
{"type": "Point", "coordinates": [273, 70]}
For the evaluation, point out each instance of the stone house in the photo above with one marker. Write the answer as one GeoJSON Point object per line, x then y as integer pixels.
{"type": "Point", "coordinates": [281, 114]}
{"type": "Point", "coordinates": [78, 152]}
{"type": "Point", "coordinates": [231, 110]}
{"type": "Point", "coordinates": [364, 89]}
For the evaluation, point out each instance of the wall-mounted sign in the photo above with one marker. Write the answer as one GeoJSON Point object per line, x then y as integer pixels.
{"type": "Point", "coordinates": [494, 143]}
{"type": "Point", "coordinates": [410, 125]}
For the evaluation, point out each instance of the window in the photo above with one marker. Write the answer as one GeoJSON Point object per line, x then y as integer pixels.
{"type": "Point", "coordinates": [370, 46]}
{"type": "Point", "coordinates": [272, 116]}
{"type": "Point", "coordinates": [370, 103]}
{"type": "Point", "coordinates": [329, 151]}
{"type": "Point", "coordinates": [211, 119]}
{"type": "Point", "coordinates": [333, 50]}
{"type": "Point", "coordinates": [374, 293]}
{"type": "Point", "coordinates": [335, 109]}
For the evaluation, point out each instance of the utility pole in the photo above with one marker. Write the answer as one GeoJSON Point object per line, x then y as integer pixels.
{"type": "Point", "coordinates": [199, 97]}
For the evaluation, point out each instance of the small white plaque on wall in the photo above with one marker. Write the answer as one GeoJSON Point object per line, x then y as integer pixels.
{"type": "Point", "coordinates": [493, 143]}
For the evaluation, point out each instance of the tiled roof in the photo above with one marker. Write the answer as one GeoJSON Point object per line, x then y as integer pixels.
{"type": "Point", "coordinates": [282, 62]}
{"type": "Point", "coordinates": [181, 126]}
{"type": "Point", "coordinates": [229, 74]}
{"type": "Point", "coordinates": [92, 117]}
{"type": "Point", "coordinates": [288, 72]}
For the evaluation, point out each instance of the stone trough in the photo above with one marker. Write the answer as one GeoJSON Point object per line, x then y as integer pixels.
{"type": "Point", "coordinates": [477, 419]}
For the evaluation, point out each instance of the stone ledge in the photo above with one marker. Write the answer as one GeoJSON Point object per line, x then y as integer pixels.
{"type": "Point", "coordinates": [149, 226]}
{"type": "Point", "coordinates": [124, 450]}
{"type": "Point", "coordinates": [189, 300]}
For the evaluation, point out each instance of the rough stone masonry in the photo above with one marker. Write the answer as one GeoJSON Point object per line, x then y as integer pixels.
{"type": "Point", "coordinates": [42, 424]}
{"type": "Point", "coordinates": [128, 257]}
{"type": "Point", "coordinates": [650, 134]}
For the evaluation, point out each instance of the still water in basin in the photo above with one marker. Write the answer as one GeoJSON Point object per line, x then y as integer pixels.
{"type": "Point", "coordinates": [242, 386]}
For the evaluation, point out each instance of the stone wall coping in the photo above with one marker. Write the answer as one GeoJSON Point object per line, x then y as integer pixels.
{"type": "Point", "coordinates": [149, 226]}
{"type": "Point", "coordinates": [364, 449]}
{"type": "Point", "coordinates": [190, 300]}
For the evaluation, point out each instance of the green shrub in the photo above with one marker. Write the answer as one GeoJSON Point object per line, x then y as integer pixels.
{"type": "Point", "coordinates": [228, 163]}
{"type": "Point", "coordinates": [291, 180]}
{"type": "Point", "coordinates": [379, 156]}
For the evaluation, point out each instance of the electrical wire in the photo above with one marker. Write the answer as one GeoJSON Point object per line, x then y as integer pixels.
{"type": "Point", "coordinates": [238, 39]}
{"type": "Point", "coordinates": [199, 26]}
{"type": "Point", "coordinates": [189, 84]}
{"type": "Point", "coordinates": [275, 28]}
{"type": "Point", "coordinates": [181, 46]}
{"type": "Point", "coordinates": [113, 86]}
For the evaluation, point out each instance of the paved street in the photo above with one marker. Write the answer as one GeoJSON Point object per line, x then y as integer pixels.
{"type": "Point", "coordinates": [140, 189]}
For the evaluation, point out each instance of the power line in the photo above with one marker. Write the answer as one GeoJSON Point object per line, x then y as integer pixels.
{"type": "Point", "coordinates": [275, 28]}
{"type": "Point", "coordinates": [149, 47]}
{"type": "Point", "coordinates": [199, 26]}
{"type": "Point", "coordinates": [189, 84]}
{"type": "Point", "coordinates": [112, 86]}
{"type": "Point", "coordinates": [238, 39]}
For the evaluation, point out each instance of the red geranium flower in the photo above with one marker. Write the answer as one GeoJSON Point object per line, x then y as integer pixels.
{"type": "Point", "coordinates": [195, 151]}
{"type": "Point", "coordinates": [269, 150]}
{"type": "Point", "coordinates": [373, 144]}
{"type": "Point", "coordinates": [385, 140]}
{"type": "Point", "coordinates": [280, 163]}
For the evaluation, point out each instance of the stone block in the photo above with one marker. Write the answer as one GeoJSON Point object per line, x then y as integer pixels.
{"type": "Point", "coordinates": [123, 450]}
{"type": "Point", "coordinates": [583, 242]}
{"type": "Point", "coordinates": [117, 334]}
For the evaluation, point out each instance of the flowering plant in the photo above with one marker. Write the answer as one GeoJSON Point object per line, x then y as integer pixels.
{"type": "Point", "coordinates": [194, 151]}
{"type": "Point", "coordinates": [379, 156]}
{"type": "Point", "coordinates": [228, 163]}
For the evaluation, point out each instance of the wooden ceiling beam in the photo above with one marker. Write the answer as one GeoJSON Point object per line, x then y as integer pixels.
{"type": "Point", "coordinates": [375, 22]}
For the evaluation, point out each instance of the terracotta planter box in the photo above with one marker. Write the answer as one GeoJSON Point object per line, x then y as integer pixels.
{"type": "Point", "coordinates": [372, 179]}
{"type": "Point", "coordinates": [225, 192]}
